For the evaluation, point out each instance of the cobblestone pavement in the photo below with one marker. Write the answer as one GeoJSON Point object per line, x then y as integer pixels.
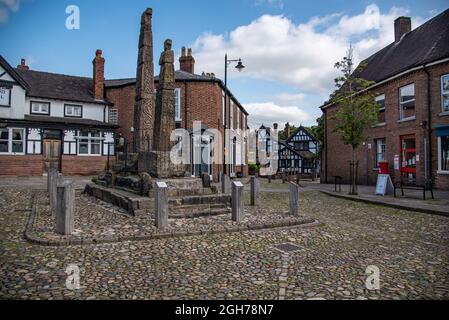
{"type": "Point", "coordinates": [410, 249]}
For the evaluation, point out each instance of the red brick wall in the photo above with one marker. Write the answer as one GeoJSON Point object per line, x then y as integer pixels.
{"type": "Point", "coordinates": [21, 166]}
{"type": "Point", "coordinates": [200, 101]}
{"type": "Point", "coordinates": [83, 166]}
{"type": "Point", "coordinates": [124, 100]}
{"type": "Point", "coordinates": [339, 155]}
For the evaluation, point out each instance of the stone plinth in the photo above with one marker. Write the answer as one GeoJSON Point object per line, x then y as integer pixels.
{"type": "Point", "coordinates": [161, 204]}
{"type": "Point", "coordinates": [162, 167]}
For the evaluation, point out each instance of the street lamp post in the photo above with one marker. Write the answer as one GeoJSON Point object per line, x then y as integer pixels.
{"type": "Point", "coordinates": [239, 67]}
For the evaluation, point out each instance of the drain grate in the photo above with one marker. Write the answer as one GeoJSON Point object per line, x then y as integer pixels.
{"type": "Point", "coordinates": [287, 247]}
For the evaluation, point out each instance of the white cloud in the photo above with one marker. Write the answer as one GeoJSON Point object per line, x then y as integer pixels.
{"type": "Point", "coordinates": [268, 113]}
{"type": "Point", "coordinates": [288, 99]}
{"type": "Point", "coordinates": [303, 55]}
{"type": "Point", "coordinates": [7, 6]}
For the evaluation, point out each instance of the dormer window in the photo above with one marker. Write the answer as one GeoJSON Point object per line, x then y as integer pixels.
{"type": "Point", "coordinates": [41, 108]}
{"type": "Point", "coordinates": [5, 96]}
{"type": "Point", "coordinates": [73, 111]}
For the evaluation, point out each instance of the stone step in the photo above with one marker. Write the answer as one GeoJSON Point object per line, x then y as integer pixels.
{"type": "Point", "coordinates": [205, 199]}
{"type": "Point", "coordinates": [195, 212]}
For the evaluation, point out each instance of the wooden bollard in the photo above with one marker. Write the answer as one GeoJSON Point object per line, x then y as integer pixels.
{"type": "Point", "coordinates": [294, 199]}
{"type": "Point", "coordinates": [65, 206]}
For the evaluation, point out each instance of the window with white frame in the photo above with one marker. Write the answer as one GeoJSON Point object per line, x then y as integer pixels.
{"type": "Point", "coordinates": [12, 141]}
{"type": "Point", "coordinates": [238, 118]}
{"type": "Point", "coordinates": [5, 96]}
{"type": "Point", "coordinates": [443, 154]}
{"type": "Point", "coordinates": [89, 143]}
{"type": "Point", "coordinates": [71, 110]}
{"type": "Point", "coordinates": [231, 115]}
{"type": "Point", "coordinates": [178, 105]}
{"type": "Point", "coordinates": [407, 101]}
{"type": "Point", "coordinates": [38, 107]}
{"type": "Point", "coordinates": [381, 151]}
{"type": "Point", "coordinates": [380, 100]}
{"type": "Point", "coordinates": [113, 116]}
{"type": "Point", "coordinates": [445, 93]}
{"type": "Point", "coordinates": [223, 108]}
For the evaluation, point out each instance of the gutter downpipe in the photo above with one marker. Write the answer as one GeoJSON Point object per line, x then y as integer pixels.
{"type": "Point", "coordinates": [429, 123]}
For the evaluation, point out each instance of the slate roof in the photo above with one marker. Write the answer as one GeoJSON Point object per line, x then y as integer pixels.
{"type": "Point", "coordinates": [70, 121]}
{"type": "Point", "coordinates": [59, 86]}
{"type": "Point", "coordinates": [179, 76]}
{"type": "Point", "coordinates": [423, 45]}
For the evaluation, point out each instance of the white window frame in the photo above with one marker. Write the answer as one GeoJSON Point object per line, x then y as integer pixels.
{"type": "Point", "coordinates": [379, 150]}
{"type": "Point", "coordinates": [89, 138]}
{"type": "Point", "coordinates": [9, 89]}
{"type": "Point", "coordinates": [238, 118]}
{"type": "Point", "coordinates": [40, 112]}
{"type": "Point", "coordinates": [440, 165]}
{"type": "Point", "coordinates": [178, 117]}
{"type": "Point", "coordinates": [444, 92]}
{"type": "Point", "coordinates": [113, 115]}
{"type": "Point", "coordinates": [401, 111]}
{"type": "Point", "coordinates": [10, 142]}
{"type": "Point", "coordinates": [66, 106]}
{"type": "Point", "coordinates": [231, 115]}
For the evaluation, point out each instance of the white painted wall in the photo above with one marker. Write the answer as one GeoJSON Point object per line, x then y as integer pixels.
{"type": "Point", "coordinates": [16, 110]}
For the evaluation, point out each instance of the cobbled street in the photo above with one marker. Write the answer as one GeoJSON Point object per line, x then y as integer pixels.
{"type": "Point", "coordinates": [410, 249]}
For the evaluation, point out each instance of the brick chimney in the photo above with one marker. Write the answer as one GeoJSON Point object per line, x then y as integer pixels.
{"type": "Point", "coordinates": [98, 64]}
{"type": "Point", "coordinates": [23, 65]}
{"type": "Point", "coordinates": [402, 25]}
{"type": "Point", "coordinates": [186, 61]}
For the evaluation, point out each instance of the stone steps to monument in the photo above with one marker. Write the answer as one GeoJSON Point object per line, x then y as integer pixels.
{"type": "Point", "coordinates": [195, 211]}
{"type": "Point", "coordinates": [198, 200]}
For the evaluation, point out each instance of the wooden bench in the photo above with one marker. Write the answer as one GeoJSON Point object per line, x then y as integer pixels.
{"type": "Point", "coordinates": [413, 184]}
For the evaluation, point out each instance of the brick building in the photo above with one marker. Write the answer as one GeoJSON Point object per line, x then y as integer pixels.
{"type": "Point", "coordinates": [52, 120]}
{"type": "Point", "coordinates": [411, 79]}
{"type": "Point", "coordinates": [198, 98]}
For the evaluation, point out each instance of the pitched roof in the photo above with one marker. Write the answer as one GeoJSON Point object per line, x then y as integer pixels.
{"type": "Point", "coordinates": [70, 121]}
{"type": "Point", "coordinates": [179, 76]}
{"type": "Point", "coordinates": [59, 86]}
{"type": "Point", "coordinates": [425, 44]}
{"type": "Point", "coordinates": [10, 70]}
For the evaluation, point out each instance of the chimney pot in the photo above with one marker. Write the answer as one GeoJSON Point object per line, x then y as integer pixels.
{"type": "Point", "coordinates": [23, 65]}
{"type": "Point", "coordinates": [402, 26]}
{"type": "Point", "coordinates": [187, 62]}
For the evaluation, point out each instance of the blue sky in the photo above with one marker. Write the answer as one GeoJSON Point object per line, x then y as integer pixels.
{"type": "Point", "coordinates": [288, 46]}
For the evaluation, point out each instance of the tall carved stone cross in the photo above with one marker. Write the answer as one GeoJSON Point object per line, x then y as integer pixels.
{"type": "Point", "coordinates": [144, 107]}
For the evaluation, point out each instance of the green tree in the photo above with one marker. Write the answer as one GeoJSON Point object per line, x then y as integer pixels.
{"type": "Point", "coordinates": [357, 109]}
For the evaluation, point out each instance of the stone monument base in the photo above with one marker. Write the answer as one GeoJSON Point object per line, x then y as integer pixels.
{"type": "Point", "coordinates": [161, 166]}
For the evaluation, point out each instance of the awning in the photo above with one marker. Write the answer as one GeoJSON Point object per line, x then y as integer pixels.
{"type": "Point", "coordinates": [441, 131]}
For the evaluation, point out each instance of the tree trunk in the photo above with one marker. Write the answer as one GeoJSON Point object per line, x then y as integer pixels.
{"type": "Point", "coordinates": [353, 188]}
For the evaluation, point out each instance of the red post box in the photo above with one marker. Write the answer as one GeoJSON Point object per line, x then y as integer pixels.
{"type": "Point", "coordinates": [383, 167]}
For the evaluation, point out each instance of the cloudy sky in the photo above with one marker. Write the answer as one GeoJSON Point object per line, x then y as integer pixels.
{"type": "Point", "coordinates": [289, 47]}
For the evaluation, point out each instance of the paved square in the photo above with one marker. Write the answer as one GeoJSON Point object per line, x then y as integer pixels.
{"type": "Point", "coordinates": [410, 249]}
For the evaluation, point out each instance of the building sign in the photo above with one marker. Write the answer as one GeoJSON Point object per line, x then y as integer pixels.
{"type": "Point", "coordinates": [384, 185]}
{"type": "Point", "coordinates": [5, 96]}
{"type": "Point", "coordinates": [396, 163]}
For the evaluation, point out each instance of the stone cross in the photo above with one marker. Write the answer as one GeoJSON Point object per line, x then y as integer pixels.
{"type": "Point", "coordinates": [161, 204]}
{"type": "Point", "coordinates": [294, 199]}
{"type": "Point", "coordinates": [254, 191]}
{"type": "Point", "coordinates": [65, 207]}
{"type": "Point", "coordinates": [144, 107]}
{"type": "Point", "coordinates": [237, 202]}
{"type": "Point", "coordinates": [225, 184]}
